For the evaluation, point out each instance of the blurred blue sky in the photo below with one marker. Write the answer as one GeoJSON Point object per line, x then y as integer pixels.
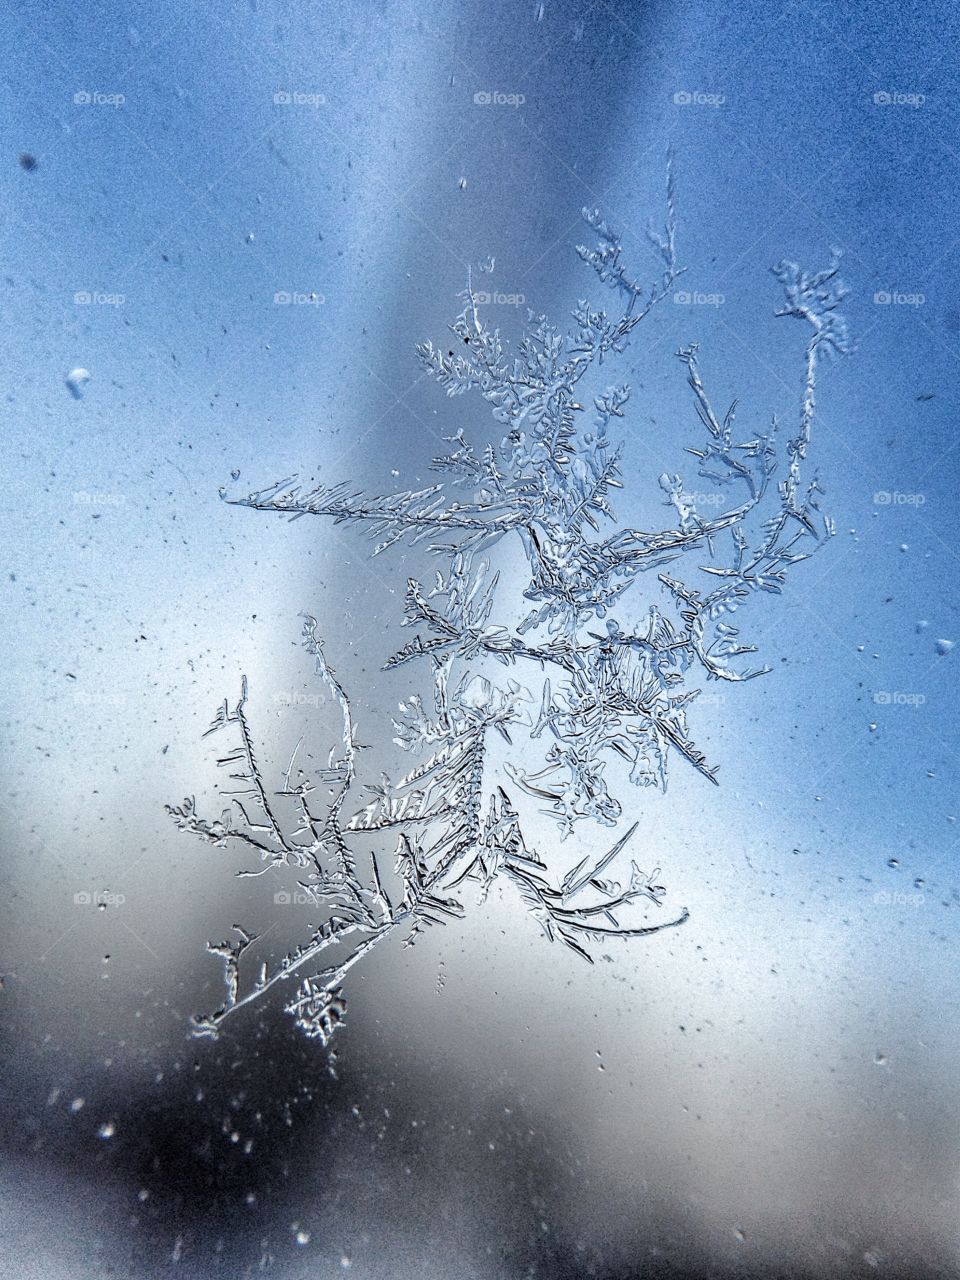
{"type": "Point", "coordinates": [190, 165]}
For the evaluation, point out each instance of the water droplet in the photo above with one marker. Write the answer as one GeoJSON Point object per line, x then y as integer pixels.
{"type": "Point", "coordinates": [880, 1059]}
{"type": "Point", "coordinates": [893, 862]}
{"type": "Point", "coordinates": [463, 184]}
{"type": "Point", "coordinates": [77, 1105]}
{"type": "Point", "coordinates": [303, 1237]}
{"type": "Point", "coordinates": [107, 1130]}
{"type": "Point", "coordinates": [76, 380]}
{"type": "Point", "coordinates": [944, 647]}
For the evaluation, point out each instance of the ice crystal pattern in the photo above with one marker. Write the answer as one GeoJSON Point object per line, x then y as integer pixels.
{"type": "Point", "coordinates": [607, 693]}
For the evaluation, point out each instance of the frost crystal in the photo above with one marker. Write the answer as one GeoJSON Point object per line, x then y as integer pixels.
{"type": "Point", "coordinates": [621, 693]}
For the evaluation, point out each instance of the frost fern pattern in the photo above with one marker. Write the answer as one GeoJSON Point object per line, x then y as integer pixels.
{"type": "Point", "coordinates": [617, 693]}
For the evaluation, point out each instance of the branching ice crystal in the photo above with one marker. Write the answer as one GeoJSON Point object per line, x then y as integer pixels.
{"type": "Point", "coordinates": [619, 693]}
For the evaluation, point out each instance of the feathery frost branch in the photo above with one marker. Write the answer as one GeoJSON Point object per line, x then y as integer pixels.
{"type": "Point", "coordinates": [612, 704]}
